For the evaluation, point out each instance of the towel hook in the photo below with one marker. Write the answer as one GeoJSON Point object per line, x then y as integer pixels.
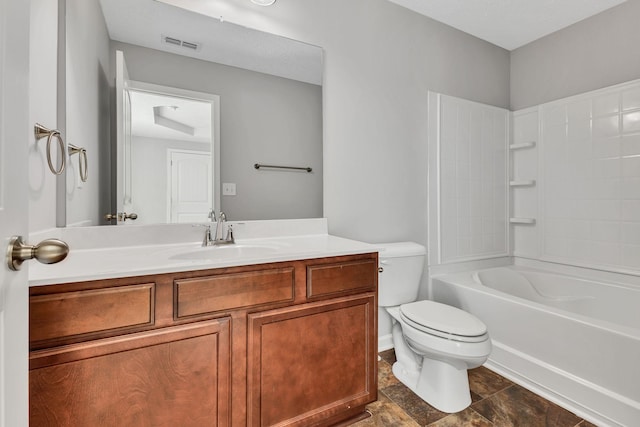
{"type": "Point", "coordinates": [82, 160]}
{"type": "Point", "coordinates": [42, 132]}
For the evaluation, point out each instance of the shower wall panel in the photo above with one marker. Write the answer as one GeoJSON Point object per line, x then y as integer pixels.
{"type": "Point", "coordinates": [469, 212]}
{"type": "Point", "coordinates": [589, 180]}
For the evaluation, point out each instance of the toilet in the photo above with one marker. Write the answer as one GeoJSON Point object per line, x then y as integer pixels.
{"type": "Point", "coordinates": [435, 344]}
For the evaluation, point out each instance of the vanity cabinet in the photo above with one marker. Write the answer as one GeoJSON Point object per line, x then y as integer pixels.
{"type": "Point", "coordinates": [311, 361]}
{"type": "Point", "coordinates": [290, 344]}
{"type": "Point", "coordinates": [176, 376]}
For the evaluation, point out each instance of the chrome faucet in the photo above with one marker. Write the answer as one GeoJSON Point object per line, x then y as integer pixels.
{"type": "Point", "coordinates": [217, 237]}
{"type": "Point", "coordinates": [214, 239]}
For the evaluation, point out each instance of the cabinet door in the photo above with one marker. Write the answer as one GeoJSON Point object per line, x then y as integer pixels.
{"type": "Point", "coordinates": [177, 376]}
{"type": "Point", "coordinates": [312, 363]}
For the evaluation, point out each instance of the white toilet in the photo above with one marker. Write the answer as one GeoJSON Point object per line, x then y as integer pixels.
{"type": "Point", "coordinates": [435, 343]}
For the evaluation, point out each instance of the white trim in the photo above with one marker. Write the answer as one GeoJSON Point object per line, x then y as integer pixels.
{"type": "Point", "coordinates": [385, 342]}
{"type": "Point", "coordinates": [433, 180]}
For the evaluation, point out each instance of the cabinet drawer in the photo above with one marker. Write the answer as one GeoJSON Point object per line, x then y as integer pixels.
{"type": "Point", "coordinates": [65, 314]}
{"type": "Point", "coordinates": [231, 291]}
{"type": "Point", "coordinates": [345, 277]}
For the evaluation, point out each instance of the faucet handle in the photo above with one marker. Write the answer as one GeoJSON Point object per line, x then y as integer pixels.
{"type": "Point", "coordinates": [212, 215]}
{"type": "Point", "coordinates": [229, 238]}
{"type": "Point", "coordinates": [206, 241]}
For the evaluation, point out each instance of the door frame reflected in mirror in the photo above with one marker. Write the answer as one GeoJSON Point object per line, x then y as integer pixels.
{"type": "Point", "coordinates": [123, 179]}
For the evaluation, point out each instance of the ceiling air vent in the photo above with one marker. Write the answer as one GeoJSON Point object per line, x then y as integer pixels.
{"type": "Point", "coordinates": [180, 43]}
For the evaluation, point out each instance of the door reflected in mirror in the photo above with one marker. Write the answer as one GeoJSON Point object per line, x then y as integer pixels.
{"type": "Point", "coordinates": [169, 153]}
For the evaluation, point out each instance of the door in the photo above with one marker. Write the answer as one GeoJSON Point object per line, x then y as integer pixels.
{"type": "Point", "coordinates": [123, 136]}
{"type": "Point", "coordinates": [15, 133]}
{"type": "Point", "coordinates": [191, 197]}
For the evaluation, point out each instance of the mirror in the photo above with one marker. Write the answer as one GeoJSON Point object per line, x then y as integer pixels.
{"type": "Point", "coordinates": [269, 107]}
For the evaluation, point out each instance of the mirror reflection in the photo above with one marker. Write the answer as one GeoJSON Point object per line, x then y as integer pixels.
{"type": "Point", "coordinates": [264, 97]}
{"type": "Point", "coordinates": [168, 155]}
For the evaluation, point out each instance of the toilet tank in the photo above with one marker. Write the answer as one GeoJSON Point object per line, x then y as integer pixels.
{"type": "Point", "coordinates": [401, 269]}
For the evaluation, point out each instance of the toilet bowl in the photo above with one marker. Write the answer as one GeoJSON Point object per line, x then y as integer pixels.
{"type": "Point", "coordinates": [435, 344]}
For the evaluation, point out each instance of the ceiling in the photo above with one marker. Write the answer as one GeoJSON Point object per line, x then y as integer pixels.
{"type": "Point", "coordinates": [509, 23]}
{"type": "Point", "coordinates": [148, 22]}
{"type": "Point", "coordinates": [190, 113]}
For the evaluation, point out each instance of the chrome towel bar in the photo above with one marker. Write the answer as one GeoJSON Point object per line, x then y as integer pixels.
{"type": "Point", "coordinates": [258, 166]}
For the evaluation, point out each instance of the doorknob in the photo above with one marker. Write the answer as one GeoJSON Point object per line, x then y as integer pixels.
{"type": "Point", "coordinates": [48, 251]}
{"type": "Point", "coordinates": [121, 216]}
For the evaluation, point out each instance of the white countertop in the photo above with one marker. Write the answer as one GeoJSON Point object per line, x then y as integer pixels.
{"type": "Point", "coordinates": [93, 263]}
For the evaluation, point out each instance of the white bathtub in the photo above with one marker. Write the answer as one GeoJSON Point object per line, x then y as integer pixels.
{"type": "Point", "coordinates": [572, 340]}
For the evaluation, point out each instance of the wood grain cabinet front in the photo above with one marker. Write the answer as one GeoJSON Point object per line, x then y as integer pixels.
{"type": "Point", "coordinates": [59, 315]}
{"type": "Point", "coordinates": [340, 278]}
{"type": "Point", "coordinates": [222, 292]}
{"type": "Point", "coordinates": [287, 343]}
{"type": "Point", "coordinates": [312, 363]}
{"type": "Point", "coordinates": [177, 376]}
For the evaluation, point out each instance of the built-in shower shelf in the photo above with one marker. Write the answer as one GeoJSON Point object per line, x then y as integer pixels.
{"type": "Point", "coordinates": [524, 221]}
{"type": "Point", "coordinates": [522, 145]}
{"type": "Point", "coordinates": [522, 183]}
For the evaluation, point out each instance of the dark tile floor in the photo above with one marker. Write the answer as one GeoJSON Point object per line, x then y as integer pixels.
{"type": "Point", "coordinates": [496, 402]}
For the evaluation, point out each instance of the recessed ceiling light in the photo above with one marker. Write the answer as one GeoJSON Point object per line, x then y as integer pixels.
{"type": "Point", "coordinates": [263, 2]}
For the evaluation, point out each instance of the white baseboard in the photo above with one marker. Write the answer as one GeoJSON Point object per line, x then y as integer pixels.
{"type": "Point", "coordinates": [385, 342]}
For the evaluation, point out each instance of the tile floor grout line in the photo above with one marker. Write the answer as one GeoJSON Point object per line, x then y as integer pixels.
{"type": "Point", "coordinates": [493, 394]}
{"type": "Point", "coordinates": [435, 423]}
{"type": "Point", "coordinates": [399, 406]}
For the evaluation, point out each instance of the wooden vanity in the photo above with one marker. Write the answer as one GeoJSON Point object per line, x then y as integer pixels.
{"type": "Point", "coordinates": [289, 343]}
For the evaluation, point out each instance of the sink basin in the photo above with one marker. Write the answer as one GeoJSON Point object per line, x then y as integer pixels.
{"type": "Point", "coordinates": [228, 251]}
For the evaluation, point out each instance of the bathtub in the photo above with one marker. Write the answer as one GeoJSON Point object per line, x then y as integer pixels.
{"type": "Point", "coordinates": [572, 340]}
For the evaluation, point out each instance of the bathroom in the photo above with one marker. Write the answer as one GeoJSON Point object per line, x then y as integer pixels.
{"type": "Point", "coordinates": [381, 61]}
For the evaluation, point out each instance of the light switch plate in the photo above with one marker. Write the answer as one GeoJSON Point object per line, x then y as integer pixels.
{"type": "Point", "coordinates": [228, 189]}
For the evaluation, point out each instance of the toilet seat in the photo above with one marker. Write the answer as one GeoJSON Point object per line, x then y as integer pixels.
{"type": "Point", "coordinates": [444, 321]}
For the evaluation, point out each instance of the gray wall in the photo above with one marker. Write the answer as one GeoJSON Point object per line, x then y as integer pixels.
{"type": "Point", "coordinates": [263, 119]}
{"type": "Point", "coordinates": [597, 52]}
{"type": "Point", "coordinates": [380, 62]}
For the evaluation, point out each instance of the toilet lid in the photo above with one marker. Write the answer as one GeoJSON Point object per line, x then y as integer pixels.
{"type": "Point", "coordinates": [438, 319]}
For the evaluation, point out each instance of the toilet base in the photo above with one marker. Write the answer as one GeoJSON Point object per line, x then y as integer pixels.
{"type": "Point", "coordinates": [440, 384]}
{"type": "Point", "coordinates": [443, 385]}
{"type": "Point", "coordinates": [431, 368]}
